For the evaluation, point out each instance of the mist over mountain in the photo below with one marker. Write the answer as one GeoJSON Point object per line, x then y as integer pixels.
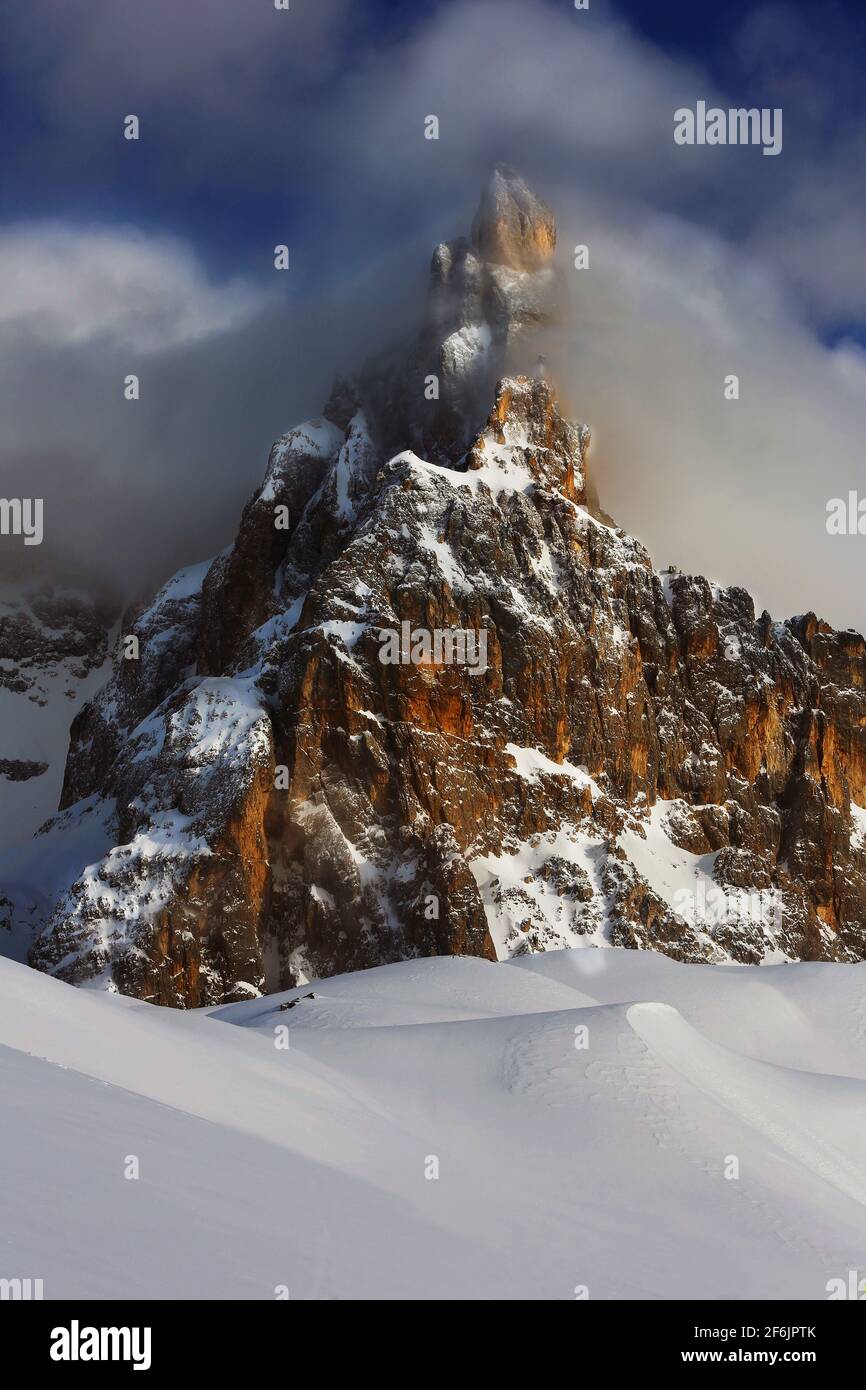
{"type": "Point", "coordinates": [698, 266]}
{"type": "Point", "coordinates": [432, 701]}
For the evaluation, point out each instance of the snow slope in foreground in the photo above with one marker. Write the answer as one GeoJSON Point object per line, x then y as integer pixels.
{"type": "Point", "coordinates": [559, 1166]}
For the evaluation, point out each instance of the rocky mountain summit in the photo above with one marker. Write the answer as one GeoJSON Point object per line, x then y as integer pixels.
{"type": "Point", "coordinates": [489, 298]}
{"type": "Point", "coordinates": [431, 702]}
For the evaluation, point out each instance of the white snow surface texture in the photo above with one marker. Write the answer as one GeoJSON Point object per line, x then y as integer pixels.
{"type": "Point", "coordinates": [566, 1158]}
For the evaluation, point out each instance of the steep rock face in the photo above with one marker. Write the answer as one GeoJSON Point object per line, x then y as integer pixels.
{"type": "Point", "coordinates": [179, 763]}
{"type": "Point", "coordinates": [513, 227]}
{"type": "Point", "coordinates": [171, 913]}
{"type": "Point", "coordinates": [420, 709]}
{"type": "Point", "coordinates": [166, 632]}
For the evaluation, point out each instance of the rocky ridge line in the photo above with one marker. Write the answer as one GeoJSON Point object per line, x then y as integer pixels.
{"type": "Point", "coordinates": [282, 804]}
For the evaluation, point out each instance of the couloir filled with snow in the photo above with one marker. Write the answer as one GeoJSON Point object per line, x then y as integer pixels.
{"type": "Point", "coordinates": [442, 1128]}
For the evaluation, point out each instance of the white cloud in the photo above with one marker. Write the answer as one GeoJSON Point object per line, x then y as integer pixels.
{"type": "Point", "coordinates": [703, 262]}
{"type": "Point", "coordinates": [67, 286]}
{"type": "Point", "coordinates": [736, 490]}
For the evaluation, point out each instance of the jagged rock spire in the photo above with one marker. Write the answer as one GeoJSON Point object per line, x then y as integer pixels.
{"type": "Point", "coordinates": [491, 295]}
{"type": "Point", "coordinates": [488, 295]}
{"type": "Point", "coordinates": [512, 226]}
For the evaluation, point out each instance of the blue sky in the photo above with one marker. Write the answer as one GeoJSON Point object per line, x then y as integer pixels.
{"type": "Point", "coordinates": [305, 127]}
{"type": "Point", "coordinates": [245, 136]}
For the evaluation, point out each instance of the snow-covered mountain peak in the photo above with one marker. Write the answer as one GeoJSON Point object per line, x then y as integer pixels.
{"type": "Point", "coordinates": [431, 702]}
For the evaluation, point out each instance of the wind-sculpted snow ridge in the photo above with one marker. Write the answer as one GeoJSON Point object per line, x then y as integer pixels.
{"type": "Point", "coordinates": [312, 774]}
{"type": "Point", "coordinates": [628, 1126]}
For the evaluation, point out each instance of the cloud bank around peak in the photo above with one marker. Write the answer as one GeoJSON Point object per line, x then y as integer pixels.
{"type": "Point", "coordinates": [307, 127]}
{"type": "Point", "coordinates": [733, 489]}
{"type": "Point", "coordinates": [68, 286]}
